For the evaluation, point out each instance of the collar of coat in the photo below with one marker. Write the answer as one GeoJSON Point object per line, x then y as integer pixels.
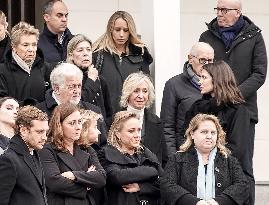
{"type": "Point", "coordinates": [113, 155]}
{"type": "Point", "coordinates": [248, 31]}
{"type": "Point", "coordinates": [54, 37]}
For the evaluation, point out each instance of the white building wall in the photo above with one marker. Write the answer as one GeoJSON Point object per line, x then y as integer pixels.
{"type": "Point", "coordinates": [170, 28]}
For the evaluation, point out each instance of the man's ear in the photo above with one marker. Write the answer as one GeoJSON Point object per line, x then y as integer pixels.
{"type": "Point", "coordinates": [46, 17]}
{"type": "Point", "coordinates": [23, 130]}
{"type": "Point", "coordinates": [56, 89]}
{"type": "Point", "coordinates": [190, 59]}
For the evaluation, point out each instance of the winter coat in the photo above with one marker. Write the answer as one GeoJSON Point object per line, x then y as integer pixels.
{"type": "Point", "coordinates": [235, 120]}
{"type": "Point", "coordinates": [17, 83]}
{"type": "Point", "coordinates": [178, 95]}
{"type": "Point", "coordinates": [4, 48]}
{"type": "Point", "coordinates": [54, 52]}
{"type": "Point", "coordinates": [49, 104]}
{"type": "Point", "coordinates": [97, 93]}
{"type": "Point", "coordinates": [247, 57]}
{"type": "Point", "coordinates": [63, 191]}
{"type": "Point", "coordinates": [115, 69]}
{"type": "Point", "coordinates": [21, 180]}
{"type": "Point", "coordinates": [179, 181]}
{"type": "Point", "coordinates": [122, 169]}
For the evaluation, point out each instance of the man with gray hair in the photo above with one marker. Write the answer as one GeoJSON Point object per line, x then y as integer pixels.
{"type": "Point", "coordinates": [66, 82]}
{"type": "Point", "coordinates": [239, 42]}
{"type": "Point", "coordinates": [180, 92]}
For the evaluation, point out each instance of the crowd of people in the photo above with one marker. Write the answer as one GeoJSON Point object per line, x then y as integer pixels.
{"type": "Point", "coordinates": [77, 125]}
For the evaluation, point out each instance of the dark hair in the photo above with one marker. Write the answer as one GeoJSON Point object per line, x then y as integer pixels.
{"type": "Point", "coordinates": [55, 134]}
{"type": "Point", "coordinates": [4, 99]}
{"type": "Point", "coordinates": [47, 8]}
{"type": "Point", "coordinates": [224, 84]}
{"type": "Point", "coordinates": [27, 114]}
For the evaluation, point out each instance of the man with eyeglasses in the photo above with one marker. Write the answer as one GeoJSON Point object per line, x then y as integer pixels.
{"type": "Point", "coordinates": [66, 81]}
{"type": "Point", "coordinates": [239, 42]}
{"type": "Point", "coordinates": [180, 92]}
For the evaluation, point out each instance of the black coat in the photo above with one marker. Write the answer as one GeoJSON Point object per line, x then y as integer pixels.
{"type": "Point", "coordinates": [4, 48]}
{"type": "Point", "coordinates": [178, 95]}
{"type": "Point", "coordinates": [62, 191]}
{"type": "Point", "coordinates": [179, 181]}
{"type": "Point", "coordinates": [54, 52]}
{"type": "Point", "coordinates": [116, 69]}
{"type": "Point", "coordinates": [97, 93]}
{"type": "Point", "coordinates": [49, 104]}
{"type": "Point", "coordinates": [235, 120]}
{"type": "Point", "coordinates": [123, 169]}
{"type": "Point", "coordinates": [21, 181]}
{"type": "Point", "coordinates": [17, 83]}
{"type": "Point", "coordinates": [247, 57]}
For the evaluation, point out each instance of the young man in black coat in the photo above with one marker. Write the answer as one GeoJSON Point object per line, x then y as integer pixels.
{"type": "Point", "coordinates": [66, 80]}
{"type": "Point", "coordinates": [22, 179]}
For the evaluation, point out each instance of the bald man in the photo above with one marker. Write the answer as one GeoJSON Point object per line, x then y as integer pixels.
{"type": "Point", "coordinates": [239, 42]}
{"type": "Point", "coordinates": [180, 92]}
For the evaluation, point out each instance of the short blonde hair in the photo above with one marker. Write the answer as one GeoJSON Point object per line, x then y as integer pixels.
{"type": "Point", "coordinates": [88, 117]}
{"type": "Point", "coordinates": [117, 125]}
{"type": "Point", "coordinates": [3, 19]}
{"type": "Point", "coordinates": [131, 83]}
{"type": "Point", "coordinates": [106, 41]}
{"type": "Point", "coordinates": [20, 29]}
{"type": "Point", "coordinates": [194, 125]}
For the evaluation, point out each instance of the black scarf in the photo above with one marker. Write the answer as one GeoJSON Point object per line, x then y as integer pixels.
{"type": "Point", "coordinates": [228, 34]}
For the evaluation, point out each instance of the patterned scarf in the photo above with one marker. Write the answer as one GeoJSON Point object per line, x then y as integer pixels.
{"type": "Point", "coordinates": [193, 77]}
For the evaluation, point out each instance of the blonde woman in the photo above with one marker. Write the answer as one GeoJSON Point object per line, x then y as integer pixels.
{"type": "Point", "coordinates": [118, 53]}
{"type": "Point", "coordinates": [24, 75]}
{"type": "Point", "coordinates": [132, 170]}
{"type": "Point", "coordinates": [203, 172]}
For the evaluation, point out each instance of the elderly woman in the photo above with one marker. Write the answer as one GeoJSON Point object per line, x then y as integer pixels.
{"type": "Point", "coordinates": [71, 174]}
{"type": "Point", "coordinates": [222, 98]}
{"type": "Point", "coordinates": [4, 38]}
{"type": "Point", "coordinates": [202, 172]}
{"type": "Point", "coordinates": [8, 113]}
{"type": "Point", "coordinates": [118, 53]}
{"type": "Point", "coordinates": [138, 96]}
{"type": "Point", "coordinates": [94, 88]}
{"type": "Point", "coordinates": [132, 169]}
{"type": "Point", "coordinates": [24, 75]}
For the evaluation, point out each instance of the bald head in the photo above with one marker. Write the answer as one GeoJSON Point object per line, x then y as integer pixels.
{"type": "Point", "coordinates": [235, 4]}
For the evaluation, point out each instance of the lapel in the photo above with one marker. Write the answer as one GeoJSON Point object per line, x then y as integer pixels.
{"type": "Point", "coordinates": [19, 146]}
{"type": "Point", "coordinates": [74, 162]}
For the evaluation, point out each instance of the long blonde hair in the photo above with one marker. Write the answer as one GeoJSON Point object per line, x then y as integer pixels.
{"type": "Point", "coordinates": [194, 125]}
{"type": "Point", "coordinates": [106, 42]}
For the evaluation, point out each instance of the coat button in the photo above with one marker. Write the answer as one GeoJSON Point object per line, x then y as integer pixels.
{"type": "Point", "coordinates": [219, 185]}
{"type": "Point", "coordinates": [217, 169]}
{"type": "Point", "coordinates": [97, 94]}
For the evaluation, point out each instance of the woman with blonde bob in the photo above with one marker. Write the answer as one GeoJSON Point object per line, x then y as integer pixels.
{"type": "Point", "coordinates": [203, 172]}
{"type": "Point", "coordinates": [72, 175]}
{"type": "Point", "coordinates": [120, 52]}
{"type": "Point", "coordinates": [138, 95]}
{"type": "Point", "coordinates": [24, 74]}
{"type": "Point", "coordinates": [4, 36]}
{"type": "Point", "coordinates": [132, 169]}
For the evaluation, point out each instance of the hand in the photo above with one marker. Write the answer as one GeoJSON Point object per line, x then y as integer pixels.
{"type": "Point", "coordinates": [92, 168]}
{"type": "Point", "coordinates": [202, 202]}
{"type": "Point", "coordinates": [131, 188]}
{"type": "Point", "coordinates": [92, 73]}
{"type": "Point", "coordinates": [69, 175]}
{"type": "Point", "coordinates": [212, 202]}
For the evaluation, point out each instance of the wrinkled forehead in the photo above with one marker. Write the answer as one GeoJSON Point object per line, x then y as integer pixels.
{"type": "Point", "coordinates": [231, 4]}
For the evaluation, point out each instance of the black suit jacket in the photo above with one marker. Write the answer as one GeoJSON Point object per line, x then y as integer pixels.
{"type": "Point", "coordinates": [49, 104]}
{"type": "Point", "coordinates": [21, 181]}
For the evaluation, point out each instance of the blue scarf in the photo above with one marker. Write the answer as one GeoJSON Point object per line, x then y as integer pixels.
{"type": "Point", "coordinates": [228, 34]}
{"type": "Point", "coordinates": [206, 181]}
{"type": "Point", "coordinates": [193, 77]}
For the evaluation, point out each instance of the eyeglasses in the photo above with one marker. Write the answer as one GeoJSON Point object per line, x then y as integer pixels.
{"type": "Point", "coordinates": [223, 10]}
{"type": "Point", "coordinates": [204, 61]}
